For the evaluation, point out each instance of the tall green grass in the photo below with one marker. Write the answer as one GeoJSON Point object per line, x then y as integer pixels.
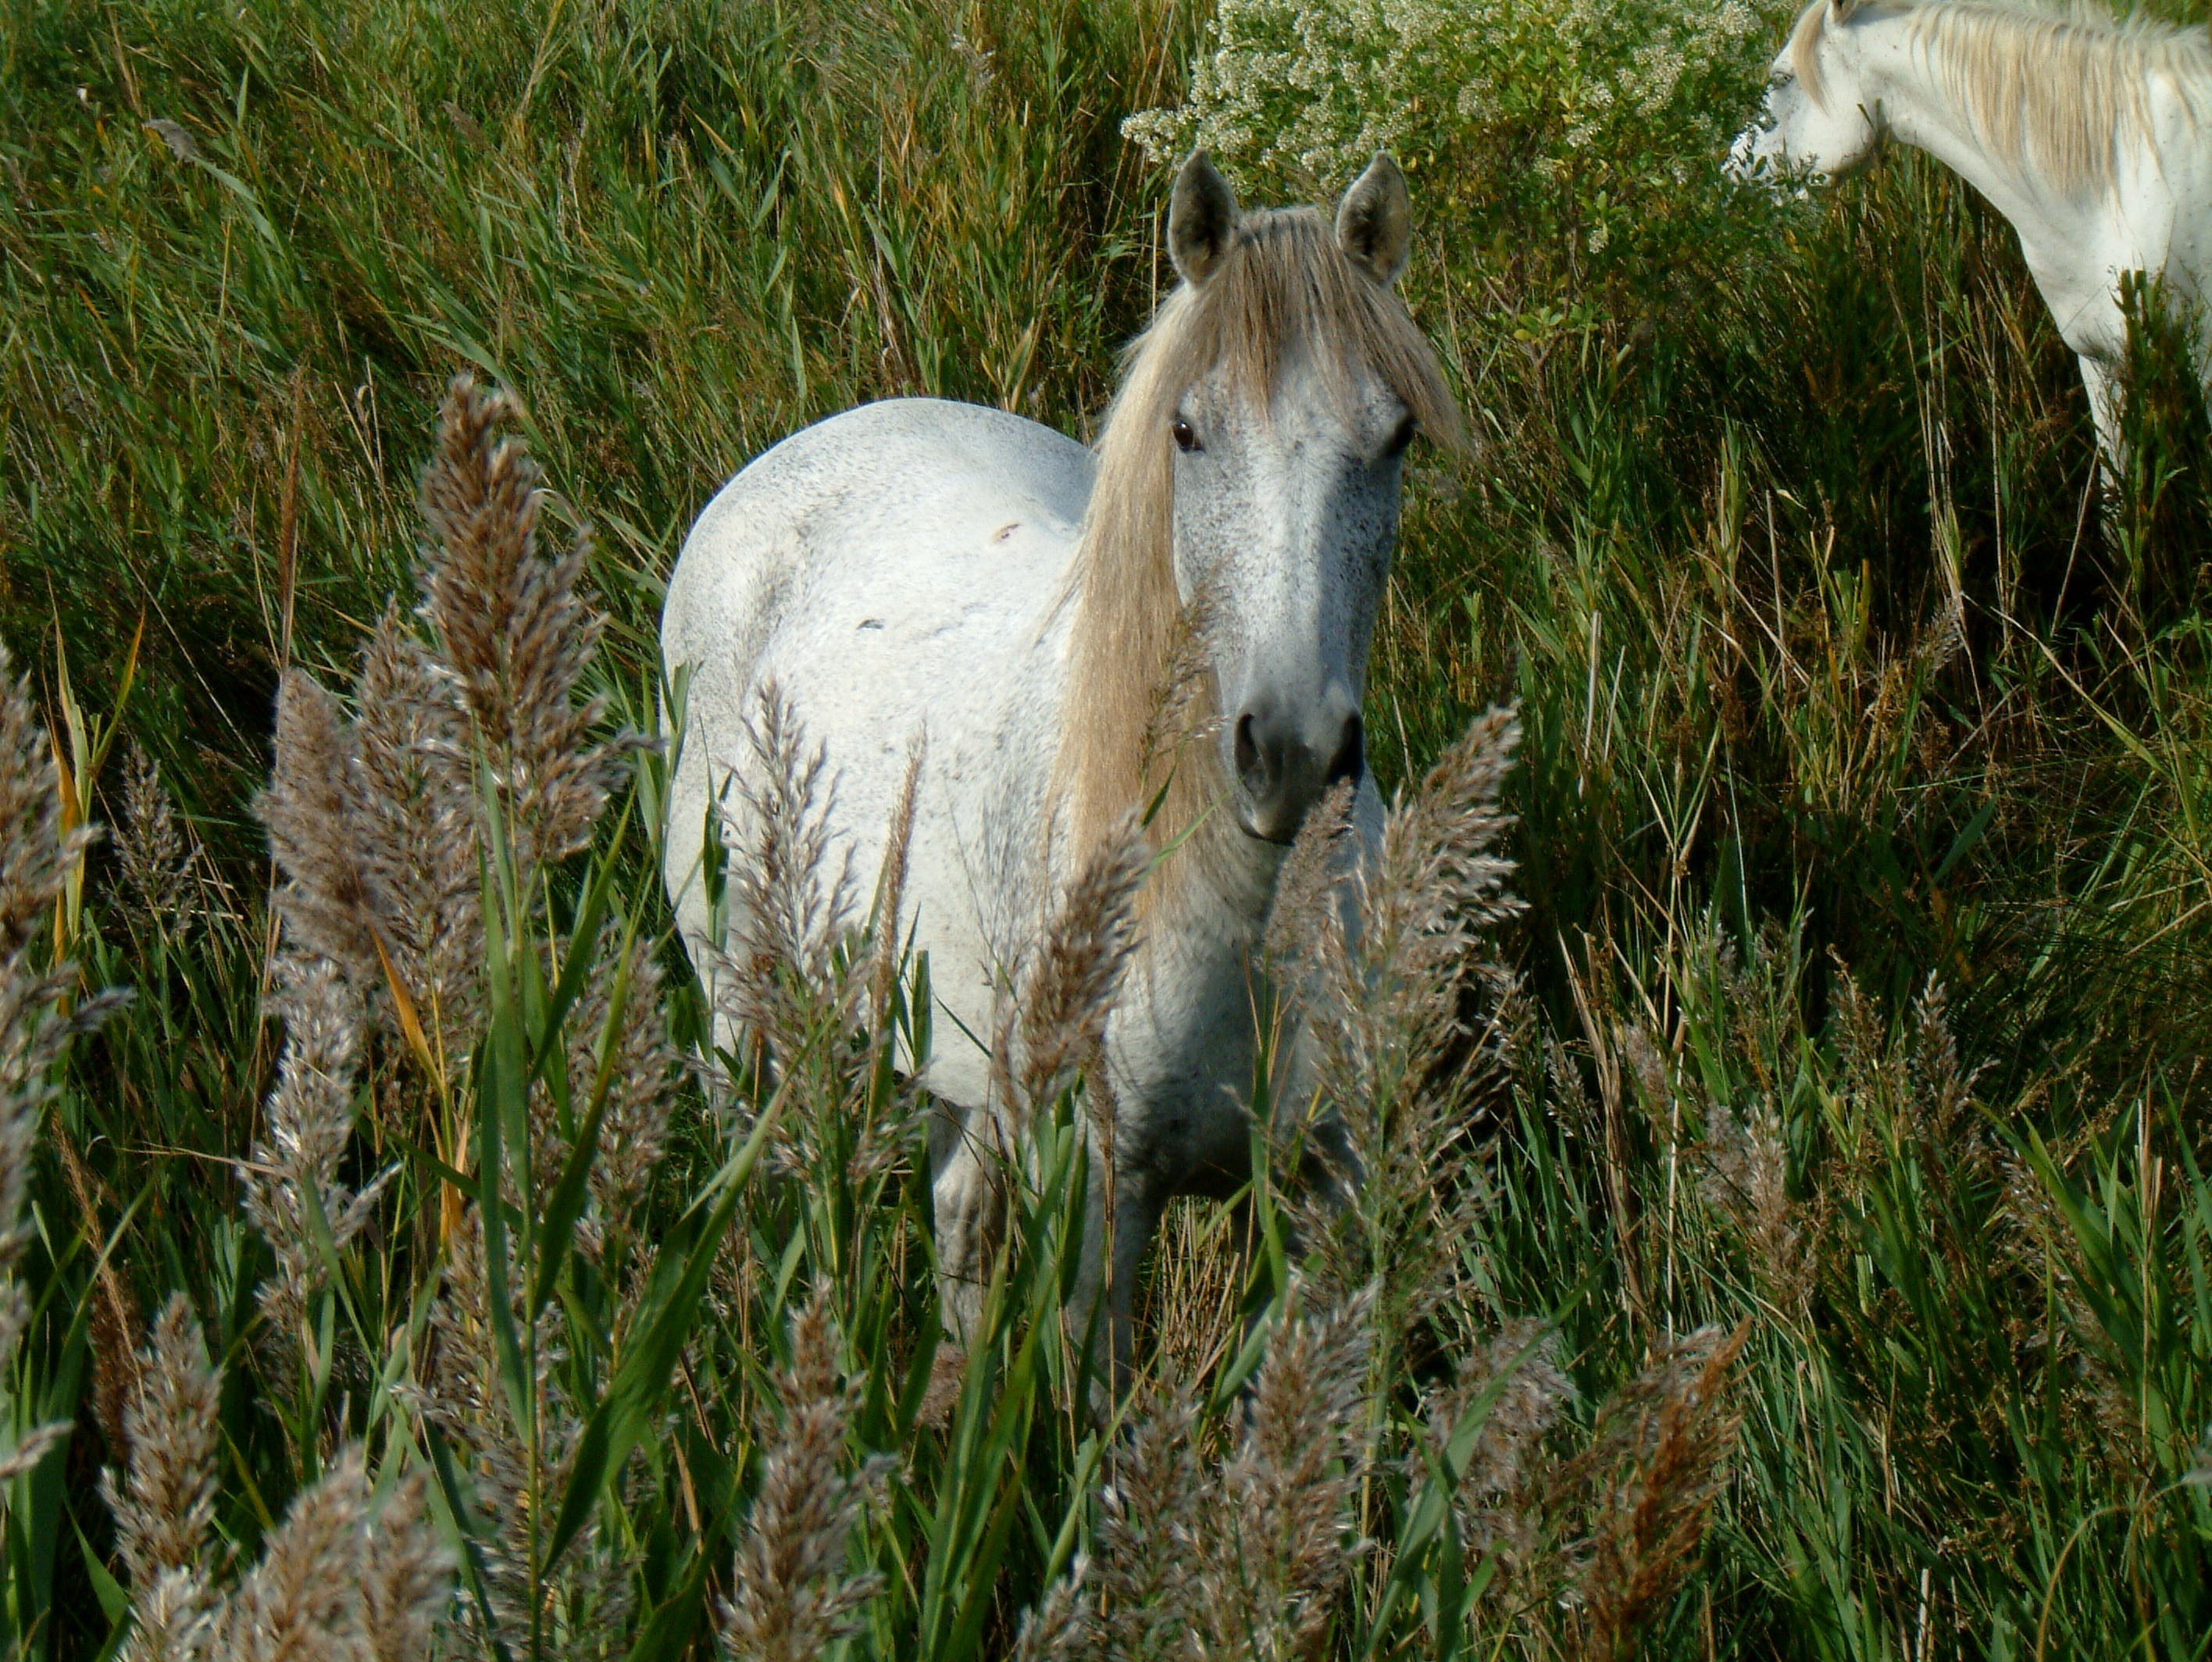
{"type": "Point", "coordinates": [1863, 823]}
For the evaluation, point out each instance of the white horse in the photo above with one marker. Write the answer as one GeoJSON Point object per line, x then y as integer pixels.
{"type": "Point", "coordinates": [917, 566]}
{"type": "Point", "coordinates": [2093, 135]}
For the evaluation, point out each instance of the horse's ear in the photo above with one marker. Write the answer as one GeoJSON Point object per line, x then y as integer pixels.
{"type": "Point", "coordinates": [1375, 220]}
{"type": "Point", "coordinates": [1201, 219]}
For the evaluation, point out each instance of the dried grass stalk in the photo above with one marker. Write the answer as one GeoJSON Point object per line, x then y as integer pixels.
{"type": "Point", "coordinates": [1654, 1466]}
{"type": "Point", "coordinates": [37, 855]}
{"type": "Point", "coordinates": [890, 893]}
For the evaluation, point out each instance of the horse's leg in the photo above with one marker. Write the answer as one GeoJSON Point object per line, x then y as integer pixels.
{"type": "Point", "coordinates": [964, 1197]}
{"type": "Point", "coordinates": [2102, 382]}
{"type": "Point", "coordinates": [1101, 1314]}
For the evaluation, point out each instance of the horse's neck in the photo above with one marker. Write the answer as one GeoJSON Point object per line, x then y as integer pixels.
{"type": "Point", "coordinates": [1216, 908]}
{"type": "Point", "coordinates": [1899, 80]}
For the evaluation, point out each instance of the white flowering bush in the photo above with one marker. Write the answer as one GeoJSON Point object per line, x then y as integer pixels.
{"type": "Point", "coordinates": [1617, 112]}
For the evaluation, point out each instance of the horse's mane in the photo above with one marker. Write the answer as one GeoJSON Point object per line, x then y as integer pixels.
{"type": "Point", "coordinates": [2055, 89]}
{"type": "Point", "coordinates": [1284, 285]}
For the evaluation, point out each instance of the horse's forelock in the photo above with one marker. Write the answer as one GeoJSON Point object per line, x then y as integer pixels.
{"type": "Point", "coordinates": [1805, 50]}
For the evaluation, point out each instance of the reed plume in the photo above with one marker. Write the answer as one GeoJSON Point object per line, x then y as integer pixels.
{"type": "Point", "coordinates": [38, 852]}
{"type": "Point", "coordinates": [789, 902]}
{"type": "Point", "coordinates": [164, 1506]}
{"type": "Point", "coordinates": [1076, 974]}
{"type": "Point", "coordinates": [794, 1592]}
{"type": "Point", "coordinates": [1286, 1535]}
{"type": "Point", "coordinates": [1744, 1175]}
{"type": "Point", "coordinates": [293, 1190]}
{"type": "Point", "coordinates": [1401, 1024]}
{"type": "Point", "coordinates": [1060, 1625]}
{"type": "Point", "coordinates": [407, 1577]}
{"type": "Point", "coordinates": [513, 637]}
{"type": "Point", "coordinates": [517, 1449]}
{"type": "Point", "coordinates": [798, 985]}
{"type": "Point", "coordinates": [1153, 1509]}
{"type": "Point", "coordinates": [417, 815]}
{"type": "Point", "coordinates": [629, 1049]}
{"type": "Point", "coordinates": [172, 1621]}
{"type": "Point", "coordinates": [326, 901]}
{"type": "Point", "coordinates": [341, 1580]}
{"type": "Point", "coordinates": [1245, 1557]}
{"type": "Point", "coordinates": [301, 1603]}
{"type": "Point", "coordinates": [382, 823]}
{"type": "Point", "coordinates": [156, 857]}
{"type": "Point", "coordinates": [1514, 1389]}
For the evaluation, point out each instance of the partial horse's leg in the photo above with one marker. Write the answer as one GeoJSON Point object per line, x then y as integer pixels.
{"type": "Point", "coordinates": [1101, 1314]}
{"type": "Point", "coordinates": [964, 1197]}
{"type": "Point", "coordinates": [2102, 382]}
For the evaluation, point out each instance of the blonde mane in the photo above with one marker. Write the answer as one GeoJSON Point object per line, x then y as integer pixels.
{"type": "Point", "coordinates": [2055, 90]}
{"type": "Point", "coordinates": [1134, 667]}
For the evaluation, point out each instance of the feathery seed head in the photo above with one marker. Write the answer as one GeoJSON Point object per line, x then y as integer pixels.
{"type": "Point", "coordinates": [165, 1506]}
{"type": "Point", "coordinates": [1077, 974]}
{"type": "Point", "coordinates": [795, 1592]}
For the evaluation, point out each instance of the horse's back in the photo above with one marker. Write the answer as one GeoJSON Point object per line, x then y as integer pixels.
{"type": "Point", "coordinates": [893, 572]}
{"type": "Point", "coordinates": [888, 497]}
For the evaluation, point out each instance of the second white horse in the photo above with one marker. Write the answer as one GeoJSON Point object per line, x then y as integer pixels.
{"type": "Point", "coordinates": [2091, 135]}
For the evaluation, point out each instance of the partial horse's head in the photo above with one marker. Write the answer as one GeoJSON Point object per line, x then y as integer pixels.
{"type": "Point", "coordinates": [1265, 420]}
{"type": "Point", "coordinates": [1818, 119]}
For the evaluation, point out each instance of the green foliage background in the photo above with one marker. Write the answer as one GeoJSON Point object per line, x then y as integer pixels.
{"type": "Point", "coordinates": [1835, 673]}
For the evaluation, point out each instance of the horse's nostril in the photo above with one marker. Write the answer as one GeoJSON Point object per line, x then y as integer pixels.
{"type": "Point", "coordinates": [1248, 751]}
{"type": "Point", "coordinates": [1351, 758]}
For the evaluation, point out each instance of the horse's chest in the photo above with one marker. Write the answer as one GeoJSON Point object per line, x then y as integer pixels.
{"type": "Point", "coordinates": [1181, 1048]}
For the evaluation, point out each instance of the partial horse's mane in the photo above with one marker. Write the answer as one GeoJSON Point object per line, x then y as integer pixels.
{"type": "Point", "coordinates": [1283, 284]}
{"type": "Point", "coordinates": [2057, 89]}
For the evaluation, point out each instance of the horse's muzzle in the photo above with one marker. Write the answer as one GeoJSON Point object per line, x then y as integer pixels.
{"type": "Point", "coordinates": [1284, 765]}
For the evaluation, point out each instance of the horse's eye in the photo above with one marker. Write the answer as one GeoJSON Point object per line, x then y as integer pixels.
{"type": "Point", "coordinates": [1185, 435]}
{"type": "Point", "coordinates": [1402, 436]}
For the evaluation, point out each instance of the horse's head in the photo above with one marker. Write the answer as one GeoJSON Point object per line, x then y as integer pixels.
{"type": "Point", "coordinates": [1819, 119]}
{"type": "Point", "coordinates": [1287, 449]}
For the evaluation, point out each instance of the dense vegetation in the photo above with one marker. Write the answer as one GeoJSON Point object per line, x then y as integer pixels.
{"type": "Point", "coordinates": [1799, 1244]}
